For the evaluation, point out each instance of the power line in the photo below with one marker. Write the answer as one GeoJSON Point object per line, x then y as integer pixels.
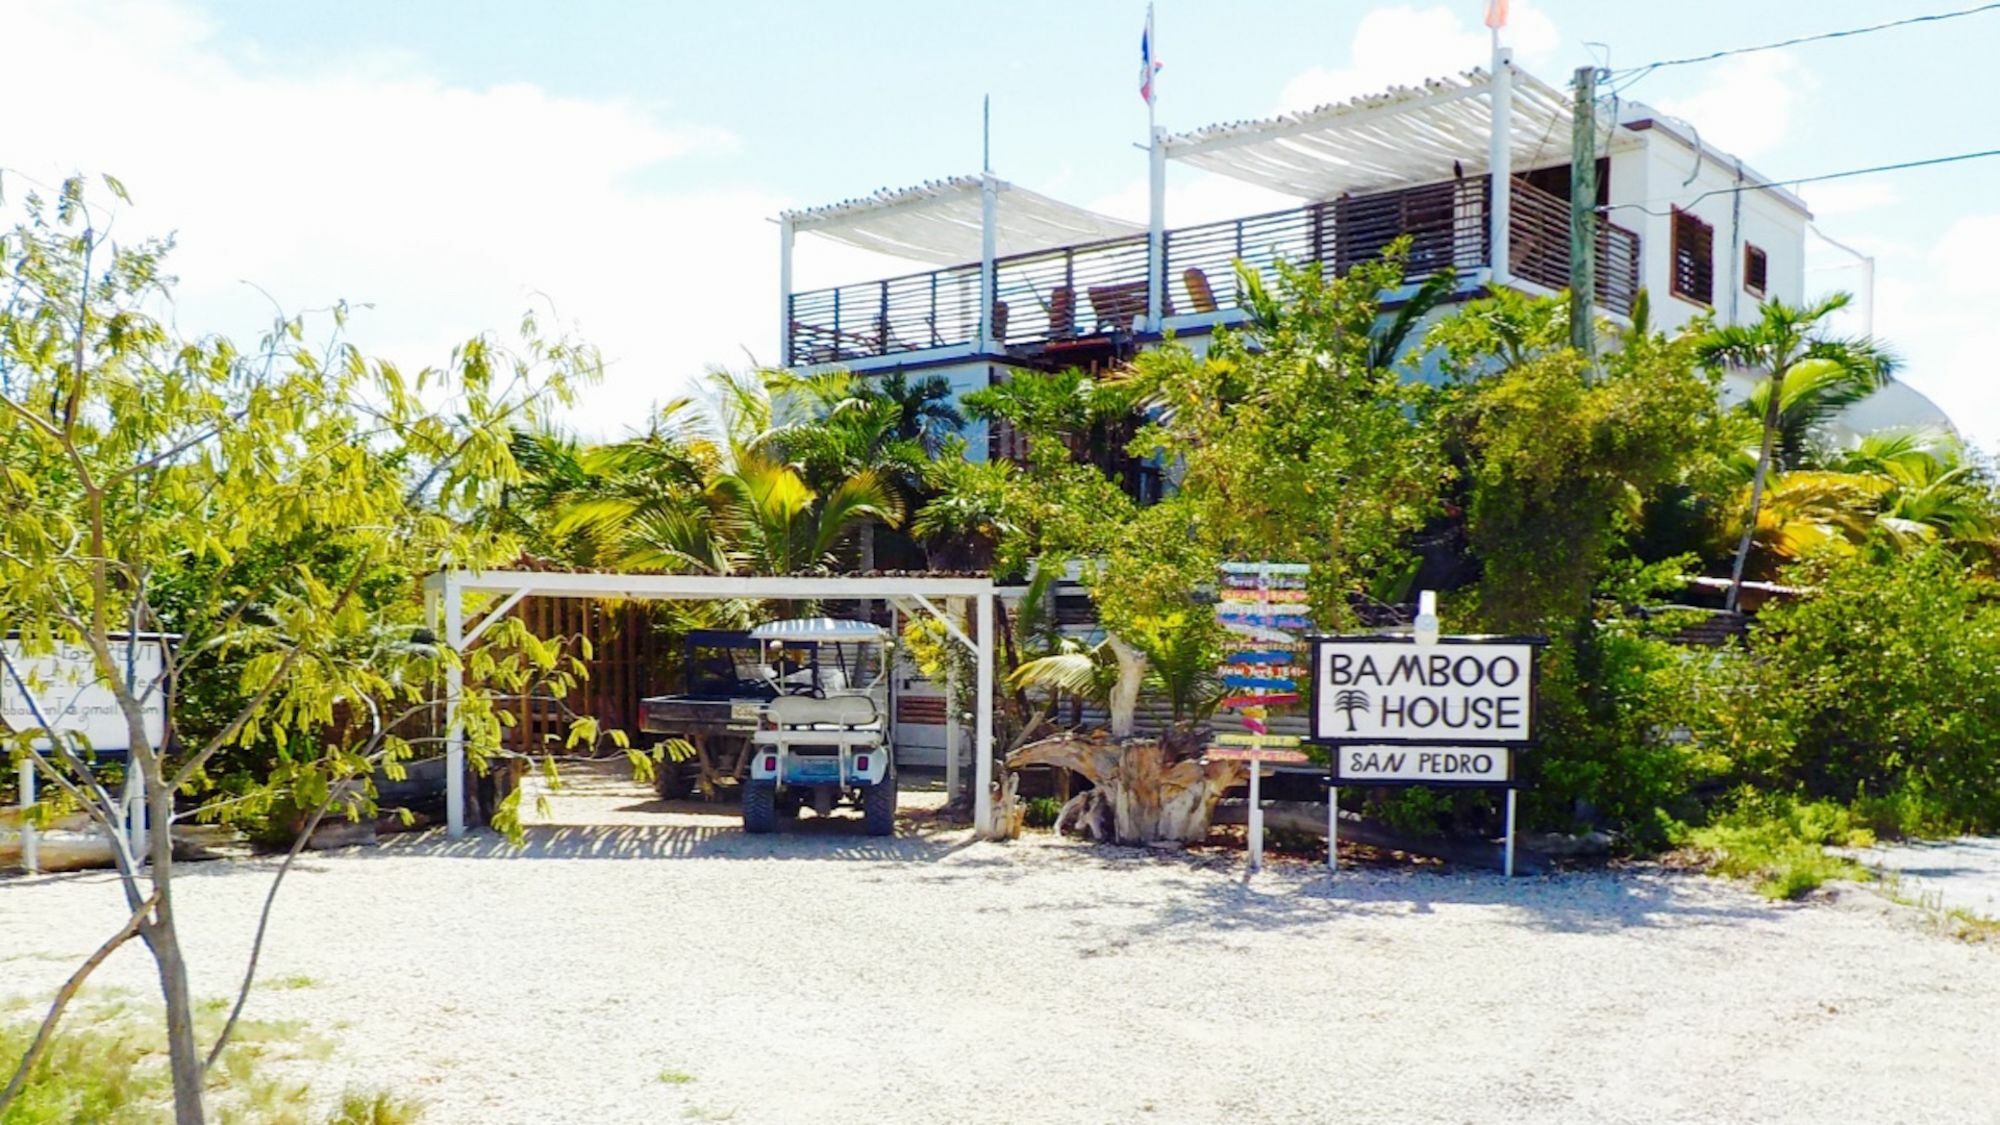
{"type": "Point", "coordinates": [1814, 179]}
{"type": "Point", "coordinates": [1633, 74]}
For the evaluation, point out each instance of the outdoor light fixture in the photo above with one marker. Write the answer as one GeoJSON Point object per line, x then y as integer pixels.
{"type": "Point", "coordinates": [1427, 618]}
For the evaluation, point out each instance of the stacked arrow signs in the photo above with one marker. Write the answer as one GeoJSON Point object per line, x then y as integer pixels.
{"type": "Point", "coordinates": [1263, 604]}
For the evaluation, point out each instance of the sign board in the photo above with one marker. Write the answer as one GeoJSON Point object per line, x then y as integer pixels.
{"type": "Point", "coordinates": [1422, 765]}
{"type": "Point", "coordinates": [1455, 691]}
{"type": "Point", "coordinates": [1262, 604]}
{"type": "Point", "coordinates": [1274, 754]}
{"type": "Point", "coordinates": [65, 689]}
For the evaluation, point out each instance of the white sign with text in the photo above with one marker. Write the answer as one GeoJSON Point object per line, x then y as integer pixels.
{"type": "Point", "coordinates": [1485, 765]}
{"type": "Point", "coordinates": [69, 695]}
{"type": "Point", "coordinates": [1448, 693]}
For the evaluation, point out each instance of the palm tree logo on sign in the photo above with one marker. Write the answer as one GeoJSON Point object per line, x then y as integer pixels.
{"type": "Point", "coordinates": [1348, 702]}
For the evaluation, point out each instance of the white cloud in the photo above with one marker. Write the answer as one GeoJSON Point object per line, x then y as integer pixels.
{"type": "Point", "coordinates": [1933, 305]}
{"type": "Point", "coordinates": [1403, 45]}
{"type": "Point", "coordinates": [1747, 106]}
{"type": "Point", "coordinates": [449, 208]}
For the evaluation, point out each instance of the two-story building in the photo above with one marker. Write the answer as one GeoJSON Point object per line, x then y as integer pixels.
{"type": "Point", "coordinates": [1474, 169]}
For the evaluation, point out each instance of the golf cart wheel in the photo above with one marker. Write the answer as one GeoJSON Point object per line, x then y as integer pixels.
{"type": "Point", "coordinates": [760, 813]}
{"type": "Point", "coordinates": [878, 807]}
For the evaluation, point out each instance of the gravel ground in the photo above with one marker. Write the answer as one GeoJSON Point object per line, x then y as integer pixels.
{"type": "Point", "coordinates": [823, 976]}
{"type": "Point", "coordinates": [1964, 873]}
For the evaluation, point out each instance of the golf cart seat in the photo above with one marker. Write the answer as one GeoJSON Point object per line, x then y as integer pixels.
{"type": "Point", "coordinates": [839, 720]}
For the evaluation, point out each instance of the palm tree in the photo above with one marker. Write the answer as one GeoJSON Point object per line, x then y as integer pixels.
{"type": "Point", "coordinates": [1787, 342]}
{"type": "Point", "coordinates": [925, 411]}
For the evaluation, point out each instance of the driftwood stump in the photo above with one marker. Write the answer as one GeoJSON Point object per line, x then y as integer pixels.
{"type": "Point", "coordinates": [1145, 792]}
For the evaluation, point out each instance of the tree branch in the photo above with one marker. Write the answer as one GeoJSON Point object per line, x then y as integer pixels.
{"type": "Point", "coordinates": [68, 992]}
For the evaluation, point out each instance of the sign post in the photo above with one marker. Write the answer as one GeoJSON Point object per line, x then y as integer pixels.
{"type": "Point", "coordinates": [1444, 712]}
{"type": "Point", "coordinates": [31, 856]}
{"type": "Point", "coordinates": [1263, 605]}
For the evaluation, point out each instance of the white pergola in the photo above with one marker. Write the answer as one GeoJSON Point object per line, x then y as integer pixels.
{"type": "Point", "coordinates": [447, 592]}
{"type": "Point", "coordinates": [945, 223]}
{"type": "Point", "coordinates": [1483, 121]}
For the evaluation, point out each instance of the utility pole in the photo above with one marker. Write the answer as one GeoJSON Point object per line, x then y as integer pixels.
{"type": "Point", "coordinates": [1583, 213]}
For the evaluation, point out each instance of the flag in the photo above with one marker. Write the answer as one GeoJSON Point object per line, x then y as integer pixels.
{"type": "Point", "coordinates": [1496, 14]}
{"type": "Point", "coordinates": [1148, 66]}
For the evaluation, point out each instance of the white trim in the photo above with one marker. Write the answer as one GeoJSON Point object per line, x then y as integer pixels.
{"type": "Point", "coordinates": [497, 612]}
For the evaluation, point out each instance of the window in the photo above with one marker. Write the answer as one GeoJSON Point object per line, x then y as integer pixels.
{"type": "Point", "coordinates": [1694, 258]}
{"type": "Point", "coordinates": [1756, 269]}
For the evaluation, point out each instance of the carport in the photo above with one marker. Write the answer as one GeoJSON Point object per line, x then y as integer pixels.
{"type": "Point", "coordinates": [945, 598]}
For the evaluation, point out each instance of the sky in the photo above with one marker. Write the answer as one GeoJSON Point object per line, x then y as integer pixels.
{"type": "Point", "coordinates": [616, 166]}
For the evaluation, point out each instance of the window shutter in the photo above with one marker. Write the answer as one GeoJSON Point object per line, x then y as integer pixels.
{"type": "Point", "coordinates": [1694, 258]}
{"type": "Point", "coordinates": [1756, 269]}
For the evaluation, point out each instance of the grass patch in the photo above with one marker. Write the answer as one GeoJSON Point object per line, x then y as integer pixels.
{"type": "Point", "coordinates": [378, 1108]}
{"type": "Point", "coordinates": [290, 983]}
{"type": "Point", "coordinates": [108, 1064]}
{"type": "Point", "coordinates": [1781, 846]}
{"type": "Point", "coordinates": [676, 1077]}
{"type": "Point", "coordinates": [1953, 921]}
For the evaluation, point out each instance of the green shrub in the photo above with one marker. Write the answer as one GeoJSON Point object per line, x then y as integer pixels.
{"type": "Point", "coordinates": [1041, 812]}
{"type": "Point", "coordinates": [1781, 844]}
{"type": "Point", "coordinates": [1882, 690]}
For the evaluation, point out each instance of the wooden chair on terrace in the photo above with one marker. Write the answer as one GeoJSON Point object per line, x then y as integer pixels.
{"type": "Point", "coordinates": [1200, 297]}
{"type": "Point", "coordinates": [1062, 312]}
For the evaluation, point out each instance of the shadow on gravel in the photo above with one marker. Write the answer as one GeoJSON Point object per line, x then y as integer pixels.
{"type": "Point", "coordinates": [809, 839]}
{"type": "Point", "coordinates": [1583, 902]}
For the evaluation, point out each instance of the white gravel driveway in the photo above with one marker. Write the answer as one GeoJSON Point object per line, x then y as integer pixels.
{"type": "Point", "coordinates": [826, 977]}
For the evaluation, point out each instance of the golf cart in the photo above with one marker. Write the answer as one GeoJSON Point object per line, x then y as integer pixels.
{"type": "Point", "coordinates": [729, 676]}
{"type": "Point", "coordinates": [828, 744]}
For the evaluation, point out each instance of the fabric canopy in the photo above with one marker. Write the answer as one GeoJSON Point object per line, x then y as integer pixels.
{"type": "Point", "coordinates": [1409, 135]}
{"type": "Point", "coordinates": [940, 222]}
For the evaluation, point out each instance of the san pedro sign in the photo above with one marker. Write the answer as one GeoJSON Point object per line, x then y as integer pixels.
{"type": "Point", "coordinates": [1391, 690]}
{"type": "Point", "coordinates": [1423, 765]}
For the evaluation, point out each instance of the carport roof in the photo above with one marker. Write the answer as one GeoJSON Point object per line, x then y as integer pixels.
{"type": "Point", "coordinates": [595, 584]}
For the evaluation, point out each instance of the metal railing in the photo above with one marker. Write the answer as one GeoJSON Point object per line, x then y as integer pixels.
{"type": "Point", "coordinates": [1100, 287]}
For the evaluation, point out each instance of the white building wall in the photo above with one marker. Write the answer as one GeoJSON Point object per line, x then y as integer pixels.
{"type": "Point", "coordinates": [1662, 172]}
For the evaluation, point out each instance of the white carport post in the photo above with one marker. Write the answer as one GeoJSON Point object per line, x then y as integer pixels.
{"type": "Point", "coordinates": [454, 688]}
{"type": "Point", "coordinates": [982, 736]}
{"type": "Point", "coordinates": [952, 718]}
{"type": "Point", "coordinates": [1500, 156]}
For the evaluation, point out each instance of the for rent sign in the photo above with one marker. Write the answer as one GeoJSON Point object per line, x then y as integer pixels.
{"type": "Point", "coordinates": [64, 689]}
{"type": "Point", "coordinates": [1392, 690]}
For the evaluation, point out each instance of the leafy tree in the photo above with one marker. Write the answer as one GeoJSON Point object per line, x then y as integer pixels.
{"type": "Point", "coordinates": [1290, 441]}
{"type": "Point", "coordinates": [258, 506]}
{"type": "Point", "coordinates": [1559, 455]}
{"type": "Point", "coordinates": [1788, 343]}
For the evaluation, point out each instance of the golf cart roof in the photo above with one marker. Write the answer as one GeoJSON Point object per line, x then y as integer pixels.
{"type": "Point", "coordinates": [826, 629]}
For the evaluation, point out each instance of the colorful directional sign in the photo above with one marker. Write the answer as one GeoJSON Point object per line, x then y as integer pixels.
{"type": "Point", "coordinates": [1263, 605]}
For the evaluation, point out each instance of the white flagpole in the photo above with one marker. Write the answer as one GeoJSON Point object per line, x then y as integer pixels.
{"type": "Point", "coordinates": [1156, 178]}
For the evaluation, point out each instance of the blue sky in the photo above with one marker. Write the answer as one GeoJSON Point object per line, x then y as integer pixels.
{"type": "Point", "coordinates": [454, 162]}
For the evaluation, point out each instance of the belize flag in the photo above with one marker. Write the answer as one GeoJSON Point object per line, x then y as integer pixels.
{"type": "Point", "coordinates": [1148, 66]}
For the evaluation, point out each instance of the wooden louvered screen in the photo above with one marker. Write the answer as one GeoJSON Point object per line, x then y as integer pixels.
{"type": "Point", "coordinates": [1756, 269]}
{"type": "Point", "coordinates": [1694, 258]}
